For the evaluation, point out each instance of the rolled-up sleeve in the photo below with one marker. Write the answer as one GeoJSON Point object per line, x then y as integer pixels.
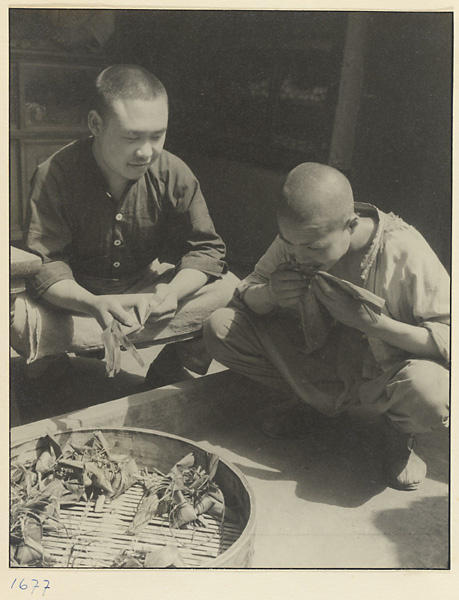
{"type": "Point", "coordinates": [440, 333]}
{"type": "Point", "coordinates": [202, 248]}
{"type": "Point", "coordinates": [274, 256]}
{"type": "Point", "coordinates": [46, 233]}
{"type": "Point", "coordinates": [416, 286]}
{"type": "Point", "coordinates": [430, 292]}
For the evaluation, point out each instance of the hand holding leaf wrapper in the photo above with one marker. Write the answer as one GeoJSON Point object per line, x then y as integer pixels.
{"type": "Point", "coordinates": [314, 324]}
{"type": "Point", "coordinates": [115, 338]}
{"type": "Point", "coordinates": [372, 303]}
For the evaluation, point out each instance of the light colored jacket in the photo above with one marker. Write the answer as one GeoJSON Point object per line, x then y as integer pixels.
{"type": "Point", "coordinates": [401, 268]}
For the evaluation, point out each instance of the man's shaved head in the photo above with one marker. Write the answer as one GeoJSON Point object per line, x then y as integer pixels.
{"type": "Point", "coordinates": [316, 194]}
{"type": "Point", "coordinates": [125, 82]}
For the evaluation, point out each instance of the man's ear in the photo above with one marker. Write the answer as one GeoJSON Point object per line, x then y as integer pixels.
{"type": "Point", "coordinates": [353, 222]}
{"type": "Point", "coordinates": [94, 122]}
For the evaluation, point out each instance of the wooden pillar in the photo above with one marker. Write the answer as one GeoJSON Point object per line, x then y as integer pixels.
{"type": "Point", "coordinates": [350, 89]}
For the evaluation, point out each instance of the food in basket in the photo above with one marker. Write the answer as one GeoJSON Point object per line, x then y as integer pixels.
{"type": "Point", "coordinates": [92, 475]}
{"type": "Point", "coordinates": [184, 494]}
{"type": "Point", "coordinates": [167, 557]}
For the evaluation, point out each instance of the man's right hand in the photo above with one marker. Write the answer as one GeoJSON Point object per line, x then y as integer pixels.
{"type": "Point", "coordinates": [68, 294]}
{"type": "Point", "coordinates": [106, 308]}
{"type": "Point", "coordinates": [287, 286]}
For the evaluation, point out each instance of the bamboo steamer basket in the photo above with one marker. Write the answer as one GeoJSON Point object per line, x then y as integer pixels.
{"type": "Point", "coordinates": [228, 546]}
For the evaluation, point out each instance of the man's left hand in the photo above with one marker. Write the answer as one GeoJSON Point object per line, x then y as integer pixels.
{"type": "Point", "coordinates": [163, 303]}
{"type": "Point", "coordinates": [344, 308]}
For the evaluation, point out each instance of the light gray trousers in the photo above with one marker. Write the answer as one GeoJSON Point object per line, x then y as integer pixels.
{"type": "Point", "coordinates": [39, 329]}
{"type": "Point", "coordinates": [414, 393]}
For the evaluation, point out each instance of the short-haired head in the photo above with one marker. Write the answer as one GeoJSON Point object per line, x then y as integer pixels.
{"type": "Point", "coordinates": [316, 194]}
{"type": "Point", "coordinates": [125, 82]}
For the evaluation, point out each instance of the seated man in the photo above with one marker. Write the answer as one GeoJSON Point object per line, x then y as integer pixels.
{"type": "Point", "coordinates": [293, 330]}
{"type": "Point", "coordinates": [102, 212]}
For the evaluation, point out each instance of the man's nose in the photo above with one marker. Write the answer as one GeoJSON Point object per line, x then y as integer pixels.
{"type": "Point", "coordinates": [302, 254]}
{"type": "Point", "coordinates": [145, 151]}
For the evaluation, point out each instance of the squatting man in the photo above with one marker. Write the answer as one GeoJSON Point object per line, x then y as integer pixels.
{"type": "Point", "coordinates": [394, 363]}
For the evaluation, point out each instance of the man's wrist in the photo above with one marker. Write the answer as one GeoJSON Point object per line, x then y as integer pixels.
{"type": "Point", "coordinates": [259, 298]}
{"type": "Point", "coordinates": [162, 289]}
{"type": "Point", "coordinates": [382, 324]}
{"type": "Point", "coordinates": [91, 304]}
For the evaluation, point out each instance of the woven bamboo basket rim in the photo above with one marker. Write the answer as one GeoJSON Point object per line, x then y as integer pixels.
{"type": "Point", "coordinates": [245, 538]}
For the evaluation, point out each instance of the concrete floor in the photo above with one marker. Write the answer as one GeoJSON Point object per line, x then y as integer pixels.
{"type": "Point", "coordinates": [320, 502]}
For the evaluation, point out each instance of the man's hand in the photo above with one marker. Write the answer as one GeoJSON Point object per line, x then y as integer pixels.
{"type": "Point", "coordinates": [411, 338]}
{"type": "Point", "coordinates": [106, 308]}
{"type": "Point", "coordinates": [287, 286]}
{"type": "Point", "coordinates": [344, 308]}
{"type": "Point", "coordinates": [135, 309]}
{"type": "Point", "coordinates": [68, 294]}
{"type": "Point", "coordinates": [163, 303]}
{"type": "Point", "coordinates": [137, 304]}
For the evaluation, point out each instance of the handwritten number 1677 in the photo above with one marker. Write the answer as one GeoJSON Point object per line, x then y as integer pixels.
{"type": "Point", "coordinates": [22, 585]}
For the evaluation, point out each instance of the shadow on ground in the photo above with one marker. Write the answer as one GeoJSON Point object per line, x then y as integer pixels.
{"type": "Point", "coordinates": [336, 465]}
{"type": "Point", "coordinates": [339, 464]}
{"type": "Point", "coordinates": [83, 384]}
{"type": "Point", "coordinates": [348, 519]}
{"type": "Point", "coordinates": [406, 527]}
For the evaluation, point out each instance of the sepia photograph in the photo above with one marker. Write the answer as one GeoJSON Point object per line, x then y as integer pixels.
{"type": "Point", "coordinates": [230, 250]}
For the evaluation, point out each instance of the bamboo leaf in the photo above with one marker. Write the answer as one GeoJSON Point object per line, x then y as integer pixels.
{"type": "Point", "coordinates": [213, 465]}
{"type": "Point", "coordinates": [44, 463]}
{"type": "Point", "coordinates": [100, 503]}
{"type": "Point", "coordinates": [183, 511]}
{"type": "Point", "coordinates": [145, 512]}
{"type": "Point", "coordinates": [168, 556]}
{"type": "Point", "coordinates": [185, 463]}
{"type": "Point", "coordinates": [129, 475]}
{"type": "Point", "coordinates": [52, 444]}
{"type": "Point", "coordinates": [98, 477]}
{"type": "Point", "coordinates": [204, 504]}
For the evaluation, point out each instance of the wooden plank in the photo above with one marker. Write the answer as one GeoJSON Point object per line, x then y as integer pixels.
{"type": "Point", "coordinates": [179, 409]}
{"type": "Point", "coordinates": [350, 89]}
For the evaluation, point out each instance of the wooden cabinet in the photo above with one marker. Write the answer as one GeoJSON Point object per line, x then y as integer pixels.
{"type": "Point", "coordinates": [48, 109]}
{"type": "Point", "coordinates": [55, 57]}
{"type": "Point", "coordinates": [54, 96]}
{"type": "Point", "coordinates": [256, 87]}
{"type": "Point", "coordinates": [273, 105]}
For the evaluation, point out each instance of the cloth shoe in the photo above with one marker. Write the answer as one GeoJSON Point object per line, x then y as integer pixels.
{"type": "Point", "coordinates": [404, 469]}
{"type": "Point", "coordinates": [193, 355]}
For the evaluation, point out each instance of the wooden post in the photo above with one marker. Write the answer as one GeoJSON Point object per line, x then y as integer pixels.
{"type": "Point", "coordinates": [350, 89]}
